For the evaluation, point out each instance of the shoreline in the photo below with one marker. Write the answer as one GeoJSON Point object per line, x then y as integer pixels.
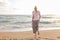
{"type": "Point", "coordinates": [27, 35]}
{"type": "Point", "coordinates": [30, 29]}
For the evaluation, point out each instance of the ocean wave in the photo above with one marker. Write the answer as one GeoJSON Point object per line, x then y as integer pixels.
{"type": "Point", "coordinates": [21, 19]}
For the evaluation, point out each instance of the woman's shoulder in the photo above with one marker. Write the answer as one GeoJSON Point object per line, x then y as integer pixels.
{"type": "Point", "coordinates": [39, 11]}
{"type": "Point", "coordinates": [32, 11]}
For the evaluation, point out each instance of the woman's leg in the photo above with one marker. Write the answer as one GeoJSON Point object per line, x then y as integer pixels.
{"type": "Point", "coordinates": [34, 34]}
{"type": "Point", "coordinates": [38, 34]}
{"type": "Point", "coordinates": [34, 30]}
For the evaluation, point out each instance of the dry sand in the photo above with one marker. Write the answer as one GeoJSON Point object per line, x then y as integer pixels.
{"type": "Point", "coordinates": [28, 35]}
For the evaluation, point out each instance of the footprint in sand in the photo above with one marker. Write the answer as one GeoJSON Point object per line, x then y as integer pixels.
{"type": "Point", "coordinates": [13, 39]}
{"type": "Point", "coordinates": [58, 37]}
{"type": "Point", "coordinates": [2, 39]}
{"type": "Point", "coordinates": [49, 39]}
{"type": "Point", "coordinates": [30, 39]}
{"type": "Point", "coordinates": [21, 39]}
{"type": "Point", "coordinates": [26, 39]}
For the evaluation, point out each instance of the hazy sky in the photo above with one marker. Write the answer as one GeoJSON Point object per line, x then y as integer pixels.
{"type": "Point", "coordinates": [25, 7]}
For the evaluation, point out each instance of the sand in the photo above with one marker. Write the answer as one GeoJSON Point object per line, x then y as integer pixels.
{"type": "Point", "coordinates": [28, 35]}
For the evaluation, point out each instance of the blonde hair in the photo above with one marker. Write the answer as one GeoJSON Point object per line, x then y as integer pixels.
{"type": "Point", "coordinates": [35, 7]}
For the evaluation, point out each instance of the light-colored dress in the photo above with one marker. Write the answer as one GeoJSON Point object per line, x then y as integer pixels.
{"type": "Point", "coordinates": [36, 15]}
{"type": "Point", "coordinates": [35, 21]}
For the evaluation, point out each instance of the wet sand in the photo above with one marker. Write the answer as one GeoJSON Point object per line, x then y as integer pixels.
{"type": "Point", "coordinates": [28, 35]}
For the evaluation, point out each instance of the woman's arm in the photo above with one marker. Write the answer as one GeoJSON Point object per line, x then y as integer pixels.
{"type": "Point", "coordinates": [32, 16]}
{"type": "Point", "coordinates": [39, 16]}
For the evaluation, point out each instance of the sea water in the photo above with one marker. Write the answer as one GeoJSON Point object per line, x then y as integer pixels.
{"type": "Point", "coordinates": [18, 23]}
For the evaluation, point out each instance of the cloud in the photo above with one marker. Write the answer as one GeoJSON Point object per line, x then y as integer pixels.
{"type": "Point", "coordinates": [5, 7]}
{"type": "Point", "coordinates": [25, 7]}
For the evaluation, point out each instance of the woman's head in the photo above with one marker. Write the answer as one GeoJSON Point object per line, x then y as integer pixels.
{"type": "Point", "coordinates": [35, 8]}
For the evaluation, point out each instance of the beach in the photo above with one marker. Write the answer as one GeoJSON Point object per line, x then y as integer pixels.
{"type": "Point", "coordinates": [28, 35]}
{"type": "Point", "coordinates": [16, 27]}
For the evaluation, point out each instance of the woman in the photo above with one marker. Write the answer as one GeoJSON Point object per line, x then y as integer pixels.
{"type": "Point", "coordinates": [35, 21]}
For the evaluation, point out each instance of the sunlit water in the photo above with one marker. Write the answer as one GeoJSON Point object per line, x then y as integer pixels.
{"type": "Point", "coordinates": [24, 23]}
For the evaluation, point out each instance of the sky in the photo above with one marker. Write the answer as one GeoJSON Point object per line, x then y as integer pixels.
{"type": "Point", "coordinates": [25, 7]}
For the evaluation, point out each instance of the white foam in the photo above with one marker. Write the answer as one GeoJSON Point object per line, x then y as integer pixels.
{"type": "Point", "coordinates": [51, 28]}
{"type": "Point", "coordinates": [29, 29]}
